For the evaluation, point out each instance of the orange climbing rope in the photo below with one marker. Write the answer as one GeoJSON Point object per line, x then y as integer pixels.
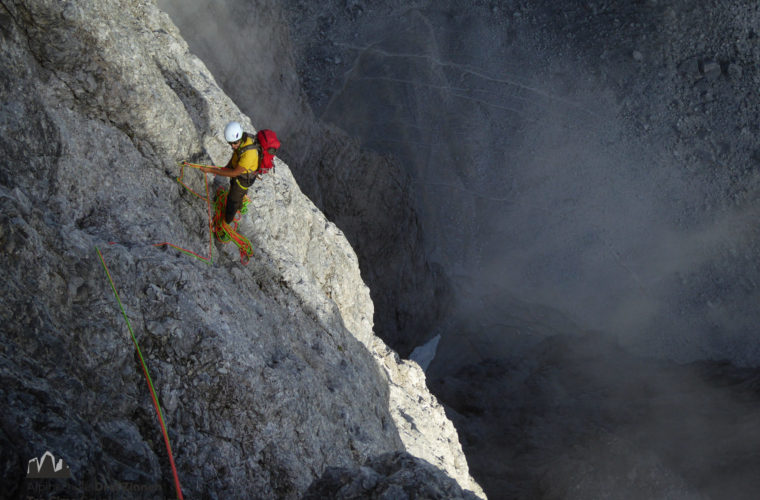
{"type": "Point", "coordinates": [217, 225]}
{"type": "Point", "coordinates": [224, 232]}
{"type": "Point", "coordinates": [207, 199]}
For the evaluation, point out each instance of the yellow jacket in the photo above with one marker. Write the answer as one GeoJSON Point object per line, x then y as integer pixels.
{"type": "Point", "coordinates": [248, 158]}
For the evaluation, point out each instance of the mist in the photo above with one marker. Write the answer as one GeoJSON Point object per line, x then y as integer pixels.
{"type": "Point", "coordinates": [533, 174]}
{"type": "Point", "coordinates": [586, 175]}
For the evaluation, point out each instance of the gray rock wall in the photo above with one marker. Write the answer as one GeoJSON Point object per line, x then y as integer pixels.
{"type": "Point", "coordinates": [392, 475]}
{"type": "Point", "coordinates": [264, 371]}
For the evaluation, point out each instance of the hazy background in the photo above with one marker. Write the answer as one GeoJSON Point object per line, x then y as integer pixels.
{"type": "Point", "coordinates": [565, 154]}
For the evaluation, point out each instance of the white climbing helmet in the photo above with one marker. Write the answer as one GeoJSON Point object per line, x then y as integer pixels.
{"type": "Point", "coordinates": [233, 132]}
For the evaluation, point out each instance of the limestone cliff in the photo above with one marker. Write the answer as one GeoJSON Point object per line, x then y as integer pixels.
{"type": "Point", "coordinates": [268, 374]}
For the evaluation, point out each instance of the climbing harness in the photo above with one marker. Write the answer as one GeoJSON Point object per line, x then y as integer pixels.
{"type": "Point", "coordinates": [157, 406]}
{"type": "Point", "coordinates": [244, 188]}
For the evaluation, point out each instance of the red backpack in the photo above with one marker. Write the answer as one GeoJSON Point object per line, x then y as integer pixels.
{"type": "Point", "coordinates": [267, 143]}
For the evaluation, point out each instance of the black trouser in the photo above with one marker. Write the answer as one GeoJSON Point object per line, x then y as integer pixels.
{"type": "Point", "coordinates": [236, 194]}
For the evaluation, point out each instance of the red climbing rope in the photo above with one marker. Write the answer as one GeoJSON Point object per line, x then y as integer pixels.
{"type": "Point", "coordinates": [207, 199]}
{"type": "Point", "coordinates": [177, 486]}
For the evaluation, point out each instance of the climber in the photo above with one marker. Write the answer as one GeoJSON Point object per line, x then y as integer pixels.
{"type": "Point", "coordinates": [241, 169]}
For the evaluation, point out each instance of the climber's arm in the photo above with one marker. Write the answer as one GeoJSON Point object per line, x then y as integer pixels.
{"type": "Point", "coordinates": [224, 172]}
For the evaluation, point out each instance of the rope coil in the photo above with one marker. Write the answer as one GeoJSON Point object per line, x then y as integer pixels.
{"type": "Point", "coordinates": [217, 226]}
{"type": "Point", "coordinates": [224, 232]}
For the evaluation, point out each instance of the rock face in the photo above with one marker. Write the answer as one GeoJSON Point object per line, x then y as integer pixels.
{"type": "Point", "coordinates": [267, 374]}
{"type": "Point", "coordinates": [392, 475]}
{"type": "Point", "coordinates": [369, 196]}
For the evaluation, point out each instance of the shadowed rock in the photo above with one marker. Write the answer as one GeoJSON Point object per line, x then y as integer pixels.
{"type": "Point", "coordinates": [392, 475]}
